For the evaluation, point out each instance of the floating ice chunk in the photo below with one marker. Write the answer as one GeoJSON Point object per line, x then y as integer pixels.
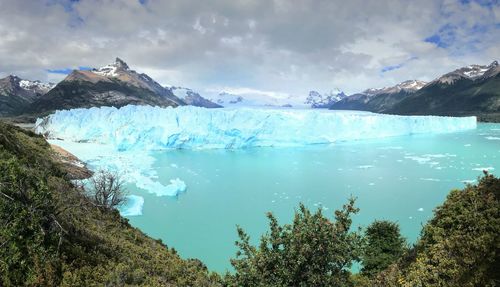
{"type": "Point", "coordinates": [148, 128]}
{"type": "Point", "coordinates": [429, 179]}
{"type": "Point", "coordinates": [175, 187]}
{"type": "Point", "coordinates": [133, 206]}
{"type": "Point", "coordinates": [174, 165]}
{"type": "Point", "coordinates": [469, 181]}
{"type": "Point", "coordinates": [484, 168]}
{"type": "Point", "coordinates": [391, 147]}
{"type": "Point", "coordinates": [467, 145]}
{"type": "Point", "coordinates": [365, 166]}
{"type": "Point", "coordinates": [419, 159]}
{"type": "Point", "coordinates": [493, 138]}
{"type": "Point", "coordinates": [421, 209]}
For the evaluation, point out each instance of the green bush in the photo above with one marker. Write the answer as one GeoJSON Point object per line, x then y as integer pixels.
{"type": "Point", "coordinates": [312, 251]}
{"type": "Point", "coordinates": [384, 246]}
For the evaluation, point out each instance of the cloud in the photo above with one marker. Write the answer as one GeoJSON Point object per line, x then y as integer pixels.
{"type": "Point", "coordinates": [283, 46]}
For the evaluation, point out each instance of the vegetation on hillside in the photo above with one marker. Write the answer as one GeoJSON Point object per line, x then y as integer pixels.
{"type": "Point", "coordinates": [51, 234]}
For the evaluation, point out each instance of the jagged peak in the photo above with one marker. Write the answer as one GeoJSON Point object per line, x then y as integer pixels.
{"type": "Point", "coordinates": [112, 70]}
{"type": "Point", "coordinates": [119, 63]}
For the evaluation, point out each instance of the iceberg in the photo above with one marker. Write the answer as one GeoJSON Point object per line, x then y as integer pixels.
{"type": "Point", "coordinates": [151, 128]}
{"type": "Point", "coordinates": [133, 206]}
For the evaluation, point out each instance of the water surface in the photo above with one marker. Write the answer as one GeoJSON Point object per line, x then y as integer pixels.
{"type": "Point", "coordinates": [398, 178]}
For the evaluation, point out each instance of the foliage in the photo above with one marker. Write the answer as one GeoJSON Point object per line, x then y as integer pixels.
{"type": "Point", "coordinates": [312, 251]}
{"type": "Point", "coordinates": [384, 245]}
{"type": "Point", "coordinates": [51, 234]}
{"type": "Point", "coordinates": [460, 245]}
{"type": "Point", "coordinates": [29, 232]}
{"type": "Point", "coordinates": [107, 189]}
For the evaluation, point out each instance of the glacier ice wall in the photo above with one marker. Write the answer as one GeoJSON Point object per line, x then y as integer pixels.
{"type": "Point", "coordinates": [145, 127]}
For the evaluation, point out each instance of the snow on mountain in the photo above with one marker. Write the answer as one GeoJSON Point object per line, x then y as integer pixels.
{"type": "Point", "coordinates": [36, 86]}
{"type": "Point", "coordinates": [148, 128]}
{"type": "Point", "coordinates": [317, 100]}
{"type": "Point", "coordinates": [255, 98]}
{"type": "Point", "coordinates": [408, 86]}
{"type": "Point", "coordinates": [471, 72]}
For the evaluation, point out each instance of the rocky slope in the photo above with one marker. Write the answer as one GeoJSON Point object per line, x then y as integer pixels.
{"type": "Point", "coordinates": [16, 94]}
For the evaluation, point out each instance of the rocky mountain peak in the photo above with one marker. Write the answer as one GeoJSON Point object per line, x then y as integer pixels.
{"type": "Point", "coordinates": [112, 70]}
{"type": "Point", "coordinates": [119, 63]}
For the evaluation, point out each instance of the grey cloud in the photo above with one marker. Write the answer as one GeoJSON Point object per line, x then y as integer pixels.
{"type": "Point", "coordinates": [283, 45]}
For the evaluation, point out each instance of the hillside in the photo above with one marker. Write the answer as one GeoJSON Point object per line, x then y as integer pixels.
{"type": "Point", "coordinates": [53, 235]}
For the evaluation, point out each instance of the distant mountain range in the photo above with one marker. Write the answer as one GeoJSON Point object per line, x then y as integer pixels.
{"type": "Point", "coordinates": [471, 90]}
{"type": "Point", "coordinates": [112, 85]}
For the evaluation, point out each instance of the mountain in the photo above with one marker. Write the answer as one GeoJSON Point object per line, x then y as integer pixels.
{"type": "Point", "coordinates": [192, 98]}
{"type": "Point", "coordinates": [16, 94]}
{"type": "Point", "coordinates": [252, 98]}
{"type": "Point", "coordinates": [317, 100]}
{"type": "Point", "coordinates": [379, 100]}
{"type": "Point", "coordinates": [471, 90]}
{"type": "Point", "coordinates": [112, 85]}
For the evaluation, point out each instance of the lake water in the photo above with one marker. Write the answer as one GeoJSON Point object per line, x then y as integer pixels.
{"type": "Point", "coordinates": [398, 178]}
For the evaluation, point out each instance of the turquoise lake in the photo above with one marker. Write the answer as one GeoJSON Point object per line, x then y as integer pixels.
{"type": "Point", "coordinates": [399, 178]}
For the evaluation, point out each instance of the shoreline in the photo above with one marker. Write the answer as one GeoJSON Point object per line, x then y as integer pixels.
{"type": "Point", "coordinates": [76, 168]}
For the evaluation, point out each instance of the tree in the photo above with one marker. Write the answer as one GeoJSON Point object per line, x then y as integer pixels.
{"type": "Point", "coordinates": [459, 246]}
{"type": "Point", "coordinates": [107, 189]}
{"type": "Point", "coordinates": [312, 251]}
{"type": "Point", "coordinates": [384, 245]}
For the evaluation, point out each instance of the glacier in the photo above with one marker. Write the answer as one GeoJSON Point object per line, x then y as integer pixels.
{"type": "Point", "coordinates": [153, 128]}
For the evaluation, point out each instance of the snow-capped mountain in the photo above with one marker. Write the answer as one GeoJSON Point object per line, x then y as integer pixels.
{"type": "Point", "coordinates": [471, 72]}
{"type": "Point", "coordinates": [112, 85]}
{"type": "Point", "coordinates": [192, 98]}
{"type": "Point", "coordinates": [36, 86]}
{"type": "Point", "coordinates": [317, 100]}
{"type": "Point", "coordinates": [119, 70]}
{"type": "Point", "coordinates": [474, 89]}
{"type": "Point", "coordinates": [16, 94]}
{"type": "Point", "coordinates": [407, 86]}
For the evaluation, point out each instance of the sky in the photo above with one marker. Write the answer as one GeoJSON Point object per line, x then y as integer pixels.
{"type": "Point", "coordinates": [273, 47]}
